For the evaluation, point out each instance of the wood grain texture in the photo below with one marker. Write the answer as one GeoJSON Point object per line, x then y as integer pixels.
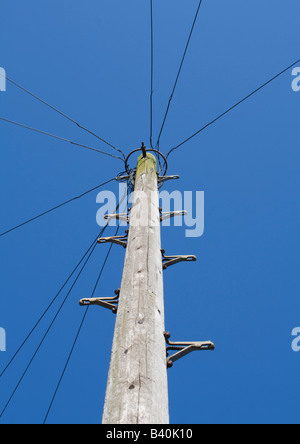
{"type": "Point", "coordinates": [137, 388]}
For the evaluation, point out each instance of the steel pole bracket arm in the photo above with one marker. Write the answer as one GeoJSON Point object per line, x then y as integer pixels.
{"type": "Point", "coordinates": [110, 303]}
{"type": "Point", "coordinates": [184, 348]}
{"type": "Point", "coordinates": [130, 177]}
{"type": "Point", "coordinates": [162, 179]}
{"type": "Point", "coordinates": [124, 217]}
{"type": "Point", "coordinates": [170, 214]}
{"type": "Point", "coordinates": [119, 240]}
{"type": "Point", "coordinates": [172, 260]}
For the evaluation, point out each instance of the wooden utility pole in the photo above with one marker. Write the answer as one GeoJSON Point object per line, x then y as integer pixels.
{"type": "Point", "coordinates": [137, 388]}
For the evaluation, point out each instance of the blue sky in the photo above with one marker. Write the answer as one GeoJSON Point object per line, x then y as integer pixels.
{"type": "Point", "coordinates": [92, 61]}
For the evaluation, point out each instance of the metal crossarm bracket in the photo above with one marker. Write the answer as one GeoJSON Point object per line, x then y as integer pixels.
{"type": "Point", "coordinates": [119, 240]}
{"type": "Point", "coordinates": [123, 178]}
{"type": "Point", "coordinates": [170, 214]}
{"type": "Point", "coordinates": [162, 179]}
{"type": "Point", "coordinates": [124, 217]}
{"type": "Point", "coordinates": [172, 260]}
{"type": "Point", "coordinates": [130, 177]}
{"type": "Point", "coordinates": [110, 303]}
{"type": "Point", "coordinates": [184, 348]}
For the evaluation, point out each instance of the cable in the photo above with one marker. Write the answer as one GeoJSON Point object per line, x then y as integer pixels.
{"type": "Point", "coordinates": [78, 333]}
{"type": "Point", "coordinates": [233, 107]}
{"type": "Point", "coordinates": [178, 75]}
{"type": "Point", "coordinates": [44, 314]}
{"type": "Point", "coordinates": [61, 138]}
{"type": "Point", "coordinates": [55, 208]}
{"type": "Point", "coordinates": [62, 114]}
{"type": "Point", "coordinates": [90, 252]}
{"type": "Point", "coordinates": [46, 311]}
{"type": "Point", "coordinates": [54, 299]}
{"type": "Point", "coordinates": [46, 334]}
{"type": "Point", "coordinates": [67, 363]}
{"type": "Point", "coordinates": [152, 76]}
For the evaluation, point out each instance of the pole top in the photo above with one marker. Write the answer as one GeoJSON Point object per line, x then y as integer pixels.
{"type": "Point", "coordinates": [159, 158]}
{"type": "Point", "coordinates": [146, 165]}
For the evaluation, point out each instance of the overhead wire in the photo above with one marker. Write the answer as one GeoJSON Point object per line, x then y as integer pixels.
{"type": "Point", "coordinates": [79, 331]}
{"type": "Point", "coordinates": [55, 208]}
{"type": "Point", "coordinates": [178, 75]}
{"type": "Point", "coordinates": [62, 114]}
{"type": "Point", "coordinates": [67, 363]}
{"type": "Point", "coordinates": [47, 332]}
{"type": "Point", "coordinates": [233, 107]}
{"type": "Point", "coordinates": [45, 312]}
{"type": "Point", "coordinates": [61, 138]}
{"type": "Point", "coordinates": [89, 254]}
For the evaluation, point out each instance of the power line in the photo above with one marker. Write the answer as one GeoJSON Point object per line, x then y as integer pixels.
{"type": "Point", "coordinates": [67, 363]}
{"type": "Point", "coordinates": [47, 332]}
{"type": "Point", "coordinates": [55, 208]}
{"type": "Point", "coordinates": [178, 75]}
{"type": "Point", "coordinates": [54, 299]}
{"type": "Point", "coordinates": [78, 333]}
{"type": "Point", "coordinates": [61, 138]}
{"type": "Point", "coordinates": [233, 107]}
{"type": "Point", "coordinates": [152, 76]}
{"type": "Point", "coordinates": [62, 114]}
{"type": "Point", "coordinates": [46, 311]}
{"type": "Point", "coordinates": [89, 253]}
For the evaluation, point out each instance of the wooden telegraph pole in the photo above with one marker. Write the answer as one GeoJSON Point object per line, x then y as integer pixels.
{"type": "Point", "coordinates": [137, 389]}
{"type": "Point", "coordinates": [137, 386]}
